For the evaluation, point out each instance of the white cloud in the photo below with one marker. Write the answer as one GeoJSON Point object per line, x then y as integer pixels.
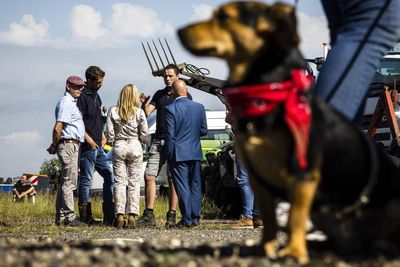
{"type": "Point", "coordinates": [88, 30]}
{"type": "Point", "coordinates": [21, 151]}
{"type": "Point", "coordinates": [134, 20]}
{"type": "Point", "coordinates": [27, 32]}
{"type": "Point", "coordinates": [86, 23]}
{"type": "Point", "coordinates": [201, 12]}
{"type": "Point", "coordinates": [313, 32]}
{"type": "Point", "coordinates": [20, 138]}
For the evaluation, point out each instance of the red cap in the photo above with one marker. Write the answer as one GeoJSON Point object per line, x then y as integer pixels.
{"type": "Point", "coordinates": [75, 80]}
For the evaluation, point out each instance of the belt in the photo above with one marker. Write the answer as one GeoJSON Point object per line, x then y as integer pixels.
{"type": "Point", "coordinates": [69, 141]}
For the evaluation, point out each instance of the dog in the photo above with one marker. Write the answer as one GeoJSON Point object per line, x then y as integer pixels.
{"type": "Point", "coordinates": [298, 149]}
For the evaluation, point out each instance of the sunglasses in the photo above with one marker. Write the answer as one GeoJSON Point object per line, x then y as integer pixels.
{"type": "Point", "coordinates": [76, 87]}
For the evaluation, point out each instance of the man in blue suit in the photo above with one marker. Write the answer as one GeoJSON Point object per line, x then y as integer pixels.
{"type": "Point", "coordinates": [185, 122]}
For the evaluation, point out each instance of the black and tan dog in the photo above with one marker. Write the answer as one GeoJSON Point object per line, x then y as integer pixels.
{"type": "Point", "coordinates": [295, 147]}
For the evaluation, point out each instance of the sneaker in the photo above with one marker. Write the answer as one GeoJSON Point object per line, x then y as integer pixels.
{"type": "Point", "coordinates": [74, 223]}
{"type": "Point", "coordinates": [171, 219]}
{"type": "Point", "coordinates": [147, 220]}
{"type": "Point", "coordinates": [243, 222]}
{"type": "Point", "coordinates": [257, 223]}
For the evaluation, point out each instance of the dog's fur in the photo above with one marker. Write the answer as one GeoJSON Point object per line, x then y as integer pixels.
{"type": "Point", "coordinates": [260, 44]}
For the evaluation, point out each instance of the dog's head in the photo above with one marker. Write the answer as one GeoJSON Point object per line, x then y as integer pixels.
{"type": "Point", "coordinates": [240, 31]}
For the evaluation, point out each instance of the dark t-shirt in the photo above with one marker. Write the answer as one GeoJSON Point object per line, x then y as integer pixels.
{"type": "Point", "coordinates": [22, 188]}
{"type": "Point", "coordinates": [161, 99]}
{"type": "Point", "coordinates": [89, 104]}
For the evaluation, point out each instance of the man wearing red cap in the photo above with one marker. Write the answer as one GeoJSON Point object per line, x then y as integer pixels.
{"type": "Point", "coordinates": [68, 134]}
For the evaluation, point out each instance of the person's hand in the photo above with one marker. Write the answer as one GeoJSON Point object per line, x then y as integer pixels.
{"type": "Point", "coordinates": [144, 98]}
{"type": "Point", "coordinates": [103, 141]}
{"type": "Point", "coordinates": [52, 149]}
{"type": "Point", "coordinates": [93, 145]}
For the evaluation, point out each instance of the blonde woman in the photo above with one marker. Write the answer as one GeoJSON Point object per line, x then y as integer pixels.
{"type": "Point", "coordinates": [127, 130]}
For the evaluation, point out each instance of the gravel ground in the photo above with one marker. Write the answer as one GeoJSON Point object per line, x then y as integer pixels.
{"type": "Point", "coordinates": [215, 244]}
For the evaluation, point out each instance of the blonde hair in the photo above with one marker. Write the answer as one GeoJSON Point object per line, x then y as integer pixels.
{"type": "Point", "coordinates": [128, 102]}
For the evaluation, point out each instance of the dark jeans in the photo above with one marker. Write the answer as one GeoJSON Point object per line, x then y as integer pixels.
{"type": "Point", "coordinates": [91, 160]}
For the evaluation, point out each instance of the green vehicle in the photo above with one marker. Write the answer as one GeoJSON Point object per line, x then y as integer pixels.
{"type": "Point", "coordinates": [217, 132]}
{"type": "Point", "coordinates": [219, 179]}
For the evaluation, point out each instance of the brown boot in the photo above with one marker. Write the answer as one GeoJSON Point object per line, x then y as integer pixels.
{"type": "Point", "coordinates": [120, 221]}
{"type": "Point", "coordinates": [131, 221]}
{"type": "Point", "coordinates": [243, 222]}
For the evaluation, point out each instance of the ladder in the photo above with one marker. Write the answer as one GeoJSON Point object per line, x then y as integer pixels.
{"type": "Point", "coordinates": [385, 107]}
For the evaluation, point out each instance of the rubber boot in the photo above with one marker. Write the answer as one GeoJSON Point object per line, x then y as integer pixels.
{"type": "Point", "coordinates": [109, 213]}
{"type": "Point", "coordinates": [85, 214]}
{"type": "Point", "coordinates": [89, 214]}
{"type": "Point", "coordinates": [131, 221]}
{"type": "Point", "coordinates": [82, 212]}
{"type": "Point", "coordinates": [120, 221]}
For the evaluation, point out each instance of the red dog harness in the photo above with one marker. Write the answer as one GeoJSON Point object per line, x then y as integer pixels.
{"type": "Point", "coordinates": [260, 99]}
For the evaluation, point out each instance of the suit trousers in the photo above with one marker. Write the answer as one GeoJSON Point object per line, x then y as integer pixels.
{"type": "Point", "coordinates": [127, 161]}
{"type": "Point", "coordinates": [187, 181]}
{"type": "Point", "coordinates": [68, 155]}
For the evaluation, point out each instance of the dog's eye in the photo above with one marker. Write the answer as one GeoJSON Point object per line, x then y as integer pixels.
{"type": "Point", "coordinates": [222, 16]}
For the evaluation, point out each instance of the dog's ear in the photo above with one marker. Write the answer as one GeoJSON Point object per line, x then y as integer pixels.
{"type": "Point", "coordinates": [280, 23]}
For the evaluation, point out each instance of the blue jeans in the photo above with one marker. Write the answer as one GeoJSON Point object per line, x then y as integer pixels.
{"type": "Point", "coordinates": [248, 206]}
{"type": "Point", "coordinates": [362, 31]}
{"type": "Point", "coordinates": [90, 160]}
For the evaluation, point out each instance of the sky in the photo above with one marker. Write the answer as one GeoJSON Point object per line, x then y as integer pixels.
{"type": "Point", "coordinates": [42, 42]}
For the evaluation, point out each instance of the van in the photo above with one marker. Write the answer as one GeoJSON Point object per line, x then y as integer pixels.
{"type": "Point", "coordinates": [218, 134]}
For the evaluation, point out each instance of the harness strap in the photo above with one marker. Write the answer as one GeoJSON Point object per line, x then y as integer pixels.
{"type": "Point", "coordinates": [366, 192]}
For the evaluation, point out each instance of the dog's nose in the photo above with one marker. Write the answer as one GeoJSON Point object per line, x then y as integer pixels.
{"type": "Point", "coordinates": [180, 33]}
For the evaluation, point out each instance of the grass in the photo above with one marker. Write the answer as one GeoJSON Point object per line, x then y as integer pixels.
{"type": "Point", "coordinates": [39, 217]}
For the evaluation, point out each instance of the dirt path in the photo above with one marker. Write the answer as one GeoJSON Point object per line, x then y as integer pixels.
{"type": "Point", "coordinates": [214, 244]}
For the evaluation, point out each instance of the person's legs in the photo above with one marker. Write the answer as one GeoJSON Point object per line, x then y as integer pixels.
{"type": "Point", "coordinates": [103, 167]}
{"type": "Point", "coordinates": [120, 175]}
{"type": "Point", "coordinates": [195, 191]}
{"type": "Point", "coordinates": [172, 201]}
{"type": "Point", "coordinates": [68, 156]}
{"type": "Point", "coordinates": [152, 168]}
{"type": "Point", "coordinates": [180, 174]}
{"type": "Point", "coordinates": [246, 218]}
{"type": "Point", "coordinates": [134, 166]}
{"type": "Point", "coordinates": [150, 191]}
{"type": "Point", "coordinates": [368, 29]}
{"type": "Point", "coordinates": [245, 189]}
{"type": "Point", "coordinates": [87, 164]}
{"type": "Point", "coordinates": [172, 196]}
{"type": "Point", "coordinates": [60, 217]}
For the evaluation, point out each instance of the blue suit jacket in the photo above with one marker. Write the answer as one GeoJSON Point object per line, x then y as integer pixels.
{"type": "Point", "coordinates": [185, 122]}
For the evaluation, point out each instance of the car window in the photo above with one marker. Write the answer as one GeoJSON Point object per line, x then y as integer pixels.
{"type": "Point", "coordinates": [217, 135]}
